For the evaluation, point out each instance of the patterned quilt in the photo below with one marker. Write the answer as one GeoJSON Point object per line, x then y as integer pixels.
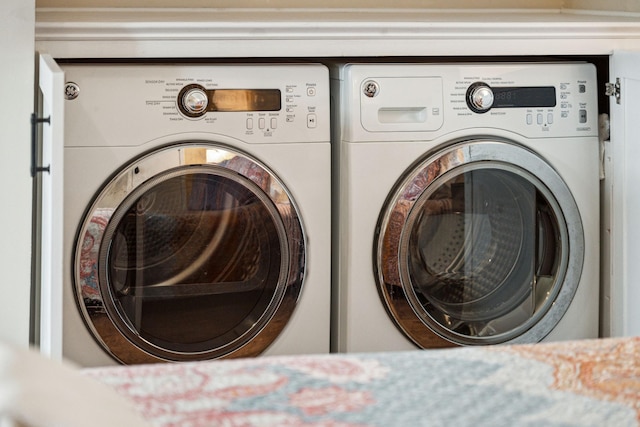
{"type": "Point", "coordinates": [580, 383]}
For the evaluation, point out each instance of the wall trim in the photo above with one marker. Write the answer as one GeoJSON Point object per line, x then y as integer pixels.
{"type": "Point", "coordinates": [321, 32]}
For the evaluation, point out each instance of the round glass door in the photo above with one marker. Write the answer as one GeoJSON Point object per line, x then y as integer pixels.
{"type": "Point", "coordinates": [192, 252]}
{"type": "Point", "coordinates": [482, 244]}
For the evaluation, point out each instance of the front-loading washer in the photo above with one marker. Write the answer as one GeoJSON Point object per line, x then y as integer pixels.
{"type": "Point", "coordinates": [466, 204]}
{"type": "Point", "coordinates": [196, 211]}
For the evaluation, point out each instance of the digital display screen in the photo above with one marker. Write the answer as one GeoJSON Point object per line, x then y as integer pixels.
{"type": "Point", "coordinates": [244, 100]}
{"type": "Point", "coordinates": [517, 97]}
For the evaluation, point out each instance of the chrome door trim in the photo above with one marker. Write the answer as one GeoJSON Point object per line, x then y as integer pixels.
{"type": "Point", "coordinates": [390, 242]}
{"type": "Point", "coordinates": [92, 293]}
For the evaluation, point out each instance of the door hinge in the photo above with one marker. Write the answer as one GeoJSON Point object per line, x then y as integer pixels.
{"type": "Point", "coordinates": [613, 89]}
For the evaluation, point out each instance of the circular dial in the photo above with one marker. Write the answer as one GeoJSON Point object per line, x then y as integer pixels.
{"type": "Point", "coordinates": [193, 100]}
{"type": "Point", "coordinates": [480, 97]}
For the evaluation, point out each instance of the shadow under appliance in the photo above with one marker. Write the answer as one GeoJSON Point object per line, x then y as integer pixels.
{"type": "Point", "coordinates": [467, 204]}
{"type": "Point", "coordinates": [196, 211]}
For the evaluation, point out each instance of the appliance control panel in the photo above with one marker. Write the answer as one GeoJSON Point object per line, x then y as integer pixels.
{"type": "Point", "coordinates": [257, 103]}
{"type": "Point", "coordinates": [422, 101]}
{"type": "Point", "coordinates": [563, 102]}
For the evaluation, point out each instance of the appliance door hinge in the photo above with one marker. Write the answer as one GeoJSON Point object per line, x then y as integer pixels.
{"type": "Point", "coordinates": [613, 89]}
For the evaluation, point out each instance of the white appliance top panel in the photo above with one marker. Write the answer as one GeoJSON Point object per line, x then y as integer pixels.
{"type": "Point", "coordinates": [130, 104]}
{"type": "Point", "coordinates": [384, 102]}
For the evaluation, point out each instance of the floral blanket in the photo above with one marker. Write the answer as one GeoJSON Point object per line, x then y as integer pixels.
{"type": "Point", "coordinates": [579, 383]}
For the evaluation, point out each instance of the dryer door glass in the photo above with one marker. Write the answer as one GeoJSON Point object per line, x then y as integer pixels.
{"type": "Point", "coordinates": [193, 263]}
{"type": "Point", "coordinates": [483, 250]}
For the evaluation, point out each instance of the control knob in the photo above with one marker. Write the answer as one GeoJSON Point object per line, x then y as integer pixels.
{"type": "Point", "coordinates": [193, 100]}
{"type": "Point", "coordinates": [480, 97]}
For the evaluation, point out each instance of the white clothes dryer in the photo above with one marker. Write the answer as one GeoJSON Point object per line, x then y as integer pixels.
{"type": "Point", "coordinates": [467, 204]}
{"type": "Point", "coordinates": [196, 211]}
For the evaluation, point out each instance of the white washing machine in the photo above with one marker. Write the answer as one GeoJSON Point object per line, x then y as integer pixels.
{"type": "Point", "coordinates": [467, 204]}
{"type": "Point", "coordinates": [196, 211]}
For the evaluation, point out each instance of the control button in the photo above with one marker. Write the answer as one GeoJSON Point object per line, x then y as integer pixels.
{"type": "Point", "coordinates": [289, 99]}
{"type": "Point", "coordinates": [289, 119]}
{"type": "Point", "coordinates": [274, 123]}
{"type": "Point", "coordinates": [312, 121]}
{"type": "Point", "coordinates": [261, 123]}
{"type": "Point", "coordinates": [582, 88]}
{"type": "Point", "coordinates": [194, 100]}
{"type": "Point", "coordinates": [289, 110]}
{"type": "Point", "coordinates": [539, 118]}
{"type": "Point", "coordinates": [289, 90]}
{"type": "Point", "coordinates": [529, 118]}
{"type": "Point", "coordinates": [583, 116]}
{"type": "Point", "coordinates": [550, 118]}
{"type": "Point", "coordinates": [249, 123]}
{"type": "Point", "coordinates": [480, 97]}
{"type": "Point", "coordinates": [311, 91]}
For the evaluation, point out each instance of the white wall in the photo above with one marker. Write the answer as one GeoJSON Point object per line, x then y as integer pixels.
{"type": "Point", "coordinates": [438, 4]}
{"type": "Point", "coordinates": [596, 5]}
{"type": "Point", "coordinates": [608, 5]}
{"type": "Point", "coordinates": [16, 86]}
